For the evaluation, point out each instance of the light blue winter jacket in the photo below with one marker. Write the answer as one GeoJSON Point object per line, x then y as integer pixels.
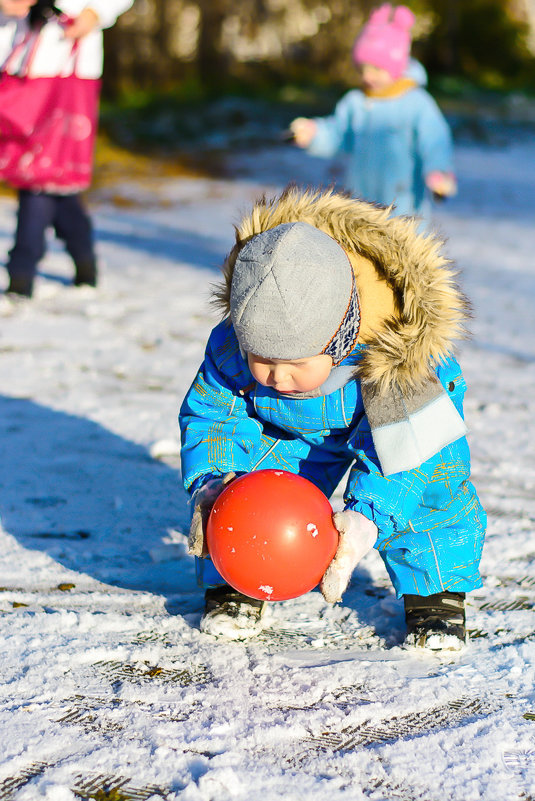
{"type": "Point", "coordinates": [430, 522]}
{"type": "Point", "coordinates": [391, 144]}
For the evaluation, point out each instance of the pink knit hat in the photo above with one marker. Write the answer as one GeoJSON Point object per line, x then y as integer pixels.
{"type": "Point", "coordinates": [385, 40]}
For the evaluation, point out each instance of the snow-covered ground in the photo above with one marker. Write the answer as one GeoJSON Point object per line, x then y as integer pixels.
{"type": "Point", "coordinates": [108, 688]}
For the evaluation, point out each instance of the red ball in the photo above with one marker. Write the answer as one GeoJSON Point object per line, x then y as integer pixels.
{"type": "Point", "coordinates": [270, 535]}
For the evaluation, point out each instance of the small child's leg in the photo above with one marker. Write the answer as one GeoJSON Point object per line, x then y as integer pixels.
{"type": "Point", "coordinates": [73, 225]}
{"type": "Point", "coordinates": [438, 559]}
{"type": "Point", "coordinates": [207, 574]}
{"type": "Point", "coordinates": [433, 570]}
{"type": "Point", "coordinates": [35, 214]}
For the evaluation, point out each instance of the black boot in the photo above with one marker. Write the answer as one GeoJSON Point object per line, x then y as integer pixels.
{"type": "Point", "coordinates": [436, 622]}
{"type": "Point", "coordinates": [228, 613]}
{"type": "Point", "coordinates": [20, 285]}
{"type": "Point", "coordinates": [86, 273]}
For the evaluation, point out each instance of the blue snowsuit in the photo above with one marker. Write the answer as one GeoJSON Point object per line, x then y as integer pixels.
{"type": "Point", "coordinates": [390, 143]}
{"type": "Point", "coordinates": [430, 522]}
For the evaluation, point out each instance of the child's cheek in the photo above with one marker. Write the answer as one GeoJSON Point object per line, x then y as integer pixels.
{"type": "Point", "coordinates": [259, 374]}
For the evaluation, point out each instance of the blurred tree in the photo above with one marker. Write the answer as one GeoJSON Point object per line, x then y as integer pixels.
{"type": "Point", "coordinates": [483, 40]}
{"type": "Point", "coordinates": [212, 62]}
{"type": "Point", "coordinates": [214, 44]}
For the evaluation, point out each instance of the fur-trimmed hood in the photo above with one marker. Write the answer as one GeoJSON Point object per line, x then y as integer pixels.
{"type": "Point", "coordinates": [429, 311]}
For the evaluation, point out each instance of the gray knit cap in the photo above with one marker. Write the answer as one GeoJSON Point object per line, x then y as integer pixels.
{"type": "Point", "coordinates": [293, 295]}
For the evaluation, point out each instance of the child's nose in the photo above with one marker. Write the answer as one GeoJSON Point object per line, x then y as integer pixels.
{"type": "Point", "coordinates": [279, 373]}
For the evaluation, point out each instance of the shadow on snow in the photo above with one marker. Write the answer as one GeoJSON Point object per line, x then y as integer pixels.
{"type": "Point", "coordinates": [93, 501]}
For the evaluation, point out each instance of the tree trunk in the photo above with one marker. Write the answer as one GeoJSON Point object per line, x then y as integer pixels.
{"type": "Point", "coordinates": [211, 63]}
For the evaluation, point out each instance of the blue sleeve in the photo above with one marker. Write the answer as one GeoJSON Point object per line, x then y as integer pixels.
{"type": "Point", "coordinates": [218, 433]}
{"type": "Point", "coordinates": [335, 133]}
{"type": "Point", "coordinates": [389, 501]}
{"type": "Point", "coordinates": [433, 137]}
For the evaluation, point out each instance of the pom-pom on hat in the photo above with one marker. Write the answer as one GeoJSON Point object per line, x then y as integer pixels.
{"type": "Point", "coordinates": [293, 295]}
{"type": "Point", "coordinates": [385, 40]}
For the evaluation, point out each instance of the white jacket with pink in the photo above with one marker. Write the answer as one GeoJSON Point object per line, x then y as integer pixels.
{"type": "Point", "coordinates": [49, 92]}
{"type": "Point", "coordinates": [53, 53]}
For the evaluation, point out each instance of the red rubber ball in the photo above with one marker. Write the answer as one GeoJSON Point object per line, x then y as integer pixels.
{"type": "Point", "coordinates": [270, 535]}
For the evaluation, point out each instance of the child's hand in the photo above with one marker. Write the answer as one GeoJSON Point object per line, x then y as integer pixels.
{"type": "Point", "coordinates": [304, 131]}
{"type": "Point", "coordinates": [82, 24]}
{"type": "Point", "coordinates": [441, 184]}
{"type": "Point", "coordinates": [357, 537]}
{"type": "Point", "coordinates": [16, 8]}
{"type": "Point", "coordinates": [204, 499]}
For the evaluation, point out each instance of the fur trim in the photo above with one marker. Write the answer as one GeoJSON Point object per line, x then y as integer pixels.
{"type": "Point", "coordinates": [432, 310]}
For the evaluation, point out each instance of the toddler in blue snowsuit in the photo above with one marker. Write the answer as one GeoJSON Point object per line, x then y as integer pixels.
{"type": "Point", "coordinates": [397, 143]}
{"type": "Point", "coordinates": [335, 355]}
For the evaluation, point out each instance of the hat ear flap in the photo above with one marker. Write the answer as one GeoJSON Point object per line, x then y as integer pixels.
{"type": "Point", "coordinates": [403, 18]}
{"type": "Point", "coordinates": [381, 15]}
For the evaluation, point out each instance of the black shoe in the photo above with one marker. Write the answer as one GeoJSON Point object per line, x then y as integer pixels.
{"type": "Point", "coordinates": [436, 622]}
{"type": "Point", "coordinates": [20, 285]}
{"type": "Point", "coordinates": [228, 613]}
{"type": "Point", "coordinates": [86, 273]}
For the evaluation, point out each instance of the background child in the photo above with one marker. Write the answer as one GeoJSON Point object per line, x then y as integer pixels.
{"type": "Point", "coordinates": [336, 353]}
{"type": "Point", "coordinates": [398, 144]}
{"type": "Point", "coordinates": [36, 41]}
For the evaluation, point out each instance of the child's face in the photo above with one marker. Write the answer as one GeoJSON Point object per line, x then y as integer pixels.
{"type": "Point", "coordinates": [300, 375]}
{"type": "Point", "coordinates": [16, 8]}
{"type": "Point", "coordinates": [375, 78]}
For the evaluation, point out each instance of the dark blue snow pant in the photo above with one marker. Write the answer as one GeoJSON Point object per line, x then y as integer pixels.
{"type": "Point", "coordinates": [66, 214]}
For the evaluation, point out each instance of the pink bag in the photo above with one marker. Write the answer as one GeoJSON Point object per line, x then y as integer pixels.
{"type": "Point", "coordinates": [47, 129]}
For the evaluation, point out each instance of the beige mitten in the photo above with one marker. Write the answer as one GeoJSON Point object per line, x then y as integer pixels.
{"type": "Point", "coordinates": [304, 131]}
{"type": "Point", "coordinates": [204, 498]}
{"type": "Point", "coordinates": [357, 537]}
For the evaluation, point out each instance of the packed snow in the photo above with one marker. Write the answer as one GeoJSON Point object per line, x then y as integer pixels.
{"type": "Point", "coordinates": [109, 689]}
